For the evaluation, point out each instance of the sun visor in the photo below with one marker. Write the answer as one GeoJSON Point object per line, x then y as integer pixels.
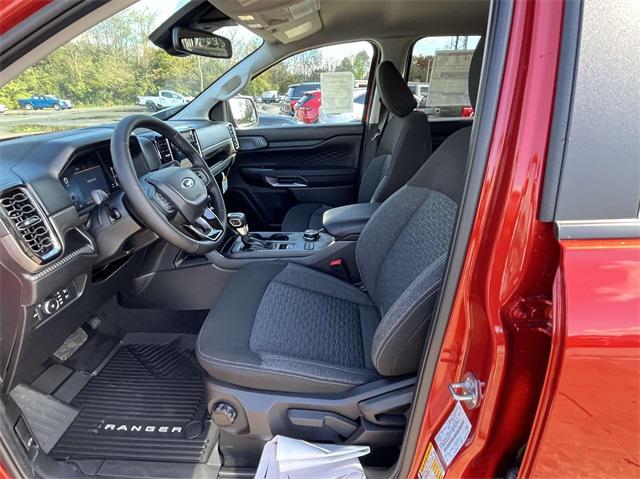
{"type": "Point", "coordinates": [278, 20]}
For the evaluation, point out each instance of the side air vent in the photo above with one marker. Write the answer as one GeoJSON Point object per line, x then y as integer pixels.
{"type": "Point", "coordinates": [164, 149]}
{"type": "Point", "coordinates": [234, 137]}
{"type": "Point", "coordinates": [33, 232]}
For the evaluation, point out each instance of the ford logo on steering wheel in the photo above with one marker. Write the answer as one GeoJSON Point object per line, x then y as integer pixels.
{"type": "Point", "coordinates": [188, 182]}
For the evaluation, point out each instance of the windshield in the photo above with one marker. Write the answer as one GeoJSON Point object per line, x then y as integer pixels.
{"type": "Point", "coordinates": [111, 71]}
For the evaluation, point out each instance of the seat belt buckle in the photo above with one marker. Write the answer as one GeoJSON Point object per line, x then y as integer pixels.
{"type": "Point", "coordinates": [339, 268]}
{"type": "Point", "coordinates": [376, 136]}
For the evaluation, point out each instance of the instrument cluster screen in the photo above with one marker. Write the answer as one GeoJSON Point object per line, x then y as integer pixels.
{"type": "Point", "coordinates": [85, 174]}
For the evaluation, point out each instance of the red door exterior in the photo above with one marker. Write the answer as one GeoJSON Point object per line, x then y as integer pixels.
{"type": "Point", "coordinates": [499, 328]}
{"type": "Point", "coordinates": [552, 328]}
{"type": "Point", "coordinates": [589, 417]}
{"type": "Point", "coordinates": [13, 12]}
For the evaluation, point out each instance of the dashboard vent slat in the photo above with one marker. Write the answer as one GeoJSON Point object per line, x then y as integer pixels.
{"type": "Point", "coordinates": [164, 149]}
{"type": "Point", "coordinates": [195, 142]}
{"type": "Point", "coordinates": [234, 136]}
{"type": "Point", "coordinates": [30, 227]}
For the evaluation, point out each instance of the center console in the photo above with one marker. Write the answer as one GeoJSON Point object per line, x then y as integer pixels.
{"type": "Point", "coordinates": [340, 225]}
{"type": "Point", "coordinates": [273, 245]}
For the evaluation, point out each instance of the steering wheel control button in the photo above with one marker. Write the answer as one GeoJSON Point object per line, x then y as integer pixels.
{"type": "Point", "coordinates": [162, 199]}
{"type": "Point", "coordinates": [311, 235]}
{"type": "Point", "coordinates": [202, 176]}
{"type": "Point", "coordinates": [223, 414]}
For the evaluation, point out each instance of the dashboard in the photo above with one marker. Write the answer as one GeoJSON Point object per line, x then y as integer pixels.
{"type": "Point", "coordinates": [61, 255]}
{"type": "Point", "coordinates": [90, 170]}
{"type": "Point", "coordinates": [51, 183]}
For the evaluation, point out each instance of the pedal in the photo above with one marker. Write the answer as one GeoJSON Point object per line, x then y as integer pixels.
{"type": "Point", "coordinates": [94, 322]}
{"type": "Point", "coordinates": [71, 345]}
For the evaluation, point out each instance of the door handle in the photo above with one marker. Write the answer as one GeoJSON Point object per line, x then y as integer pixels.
{"type": "Point", "coordinates": [286, 181]}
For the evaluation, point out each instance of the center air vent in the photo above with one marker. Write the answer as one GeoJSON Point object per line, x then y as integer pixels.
{"type": "Point", "coordinates": [234, 137]}
{"type": "Point", "coordinates": [29, 225]}
{"type": "Point", "coordinates": [192, 137]}
{"type": "Point", "coordinates": [164, 149]}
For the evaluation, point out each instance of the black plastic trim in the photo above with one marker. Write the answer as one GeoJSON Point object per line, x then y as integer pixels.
{"type": "Point", "coordinates": [563, 102]}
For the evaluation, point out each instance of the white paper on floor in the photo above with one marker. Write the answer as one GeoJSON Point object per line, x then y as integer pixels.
{"type": "Point", "coordinates": [286, 458]}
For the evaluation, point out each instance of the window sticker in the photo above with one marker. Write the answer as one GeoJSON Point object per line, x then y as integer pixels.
{"type": "Point", "coordinates": [337, 92]}
{"type": "Point", "coordinates": [450, 77]}
{"type": "Point", "coordinates": [431, 467]}
{"type": "Point", "coordinates": [453, 434]}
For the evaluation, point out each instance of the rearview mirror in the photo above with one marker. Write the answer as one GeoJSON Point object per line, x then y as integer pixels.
{"type": "Point", "coordinates": [198, 42]}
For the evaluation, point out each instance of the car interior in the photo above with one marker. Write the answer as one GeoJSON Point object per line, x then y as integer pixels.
{"type": "Point", "coordinates": [214, 286]}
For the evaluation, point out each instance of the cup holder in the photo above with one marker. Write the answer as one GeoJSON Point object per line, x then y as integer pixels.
{"type": "Point", "coordinates": [270, 237]}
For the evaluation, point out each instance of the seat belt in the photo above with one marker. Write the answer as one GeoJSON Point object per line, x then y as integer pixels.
{"type": "Point", "coordinates": [382, 123]}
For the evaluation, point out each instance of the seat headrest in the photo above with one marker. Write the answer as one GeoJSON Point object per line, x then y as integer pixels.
{"type": "Point", "coordinates": [475, 68]}
{"type": "Point", "coordinates": [394, 92]}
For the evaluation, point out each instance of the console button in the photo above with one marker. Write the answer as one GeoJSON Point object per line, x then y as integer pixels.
{"type": "Point", "coordinates": [311, 234]}
{"type": "Point", "coordinates": [50, 306]}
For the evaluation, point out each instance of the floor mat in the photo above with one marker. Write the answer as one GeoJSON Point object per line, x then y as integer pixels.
{"type": "Point", "coordinates": [147, 403]}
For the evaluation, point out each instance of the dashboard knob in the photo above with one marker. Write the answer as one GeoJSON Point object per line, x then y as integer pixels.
{"type": "Point", "coordinates": [50, 306]}
{"type": "Point", "coordinates": [311, 234]}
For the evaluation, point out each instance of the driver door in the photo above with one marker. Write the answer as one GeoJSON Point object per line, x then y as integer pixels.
{"type": "Point", "coordinates": [283, 161]}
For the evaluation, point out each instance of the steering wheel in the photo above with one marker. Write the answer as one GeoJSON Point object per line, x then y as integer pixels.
{"type": "Point", "coordinates": [184, 206]}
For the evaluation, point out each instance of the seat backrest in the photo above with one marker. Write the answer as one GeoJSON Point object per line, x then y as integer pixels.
{"type": "Point", "coordinates": [405, 141]}
{"type": "Point", "coordinates": [402, 251]}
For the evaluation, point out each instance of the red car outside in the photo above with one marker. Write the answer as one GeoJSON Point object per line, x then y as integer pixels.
{"type": "Point", "coordinates": [307, 110]}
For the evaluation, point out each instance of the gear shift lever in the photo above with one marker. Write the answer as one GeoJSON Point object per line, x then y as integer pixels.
{"type": "Point", "coordinates": [238, 221]}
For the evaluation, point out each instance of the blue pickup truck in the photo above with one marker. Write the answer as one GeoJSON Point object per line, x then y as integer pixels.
{"type": "Point", "coordinates": [38, 102]}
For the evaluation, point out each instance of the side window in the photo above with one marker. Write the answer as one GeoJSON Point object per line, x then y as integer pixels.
{"type": "Point", "coordinates": [439, 72]}
{"type": "Point", "coordinates": [326, 85]}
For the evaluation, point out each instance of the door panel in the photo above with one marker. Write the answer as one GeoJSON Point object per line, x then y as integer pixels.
{"type": "Point", "coordinates": [277, 168]}
{"type": "Point", "coordinates": [442, 128]}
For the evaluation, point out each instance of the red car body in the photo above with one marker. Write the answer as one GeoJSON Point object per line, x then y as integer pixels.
{"type": "Point", "coordinates": [466, 112]}
{"type": "Point", "coordinates": [529, 313]}
{"type": "Point", "coordinates": [307, 109]}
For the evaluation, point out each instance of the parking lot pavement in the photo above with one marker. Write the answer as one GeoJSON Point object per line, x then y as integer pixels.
{"type": "Point", "coordinates": [271, 108]}
{"type": "Point", "coordinates": [17, 122]}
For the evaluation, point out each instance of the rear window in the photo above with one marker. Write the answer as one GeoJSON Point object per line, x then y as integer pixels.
{"type": "Point", "coordinates": [439, 73]}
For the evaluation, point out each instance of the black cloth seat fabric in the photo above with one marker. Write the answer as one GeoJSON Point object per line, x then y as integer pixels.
{"type": "Point", "coordinates": [285, 327]}
{"type": "Point", "coordinates": [403, 147]}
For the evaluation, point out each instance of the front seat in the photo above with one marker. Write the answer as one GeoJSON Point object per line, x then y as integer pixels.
{"type": "Point", "coordinates": [284, 338]}
{"type": "Point", "coordinates": [403, 146]}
